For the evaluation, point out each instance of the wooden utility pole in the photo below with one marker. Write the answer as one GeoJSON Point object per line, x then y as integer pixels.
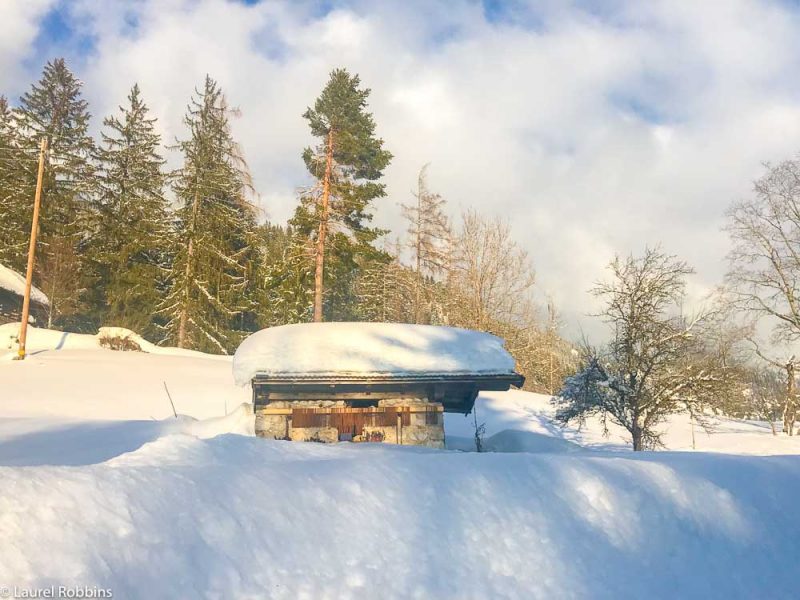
{"type": "Point", "coordinates": [26, 302]}
{"type": "Point", "coordinates": [323, 229]}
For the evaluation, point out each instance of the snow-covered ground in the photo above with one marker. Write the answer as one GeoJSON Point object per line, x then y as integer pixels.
{"type": "Point", "coordinates": [523, 416]}
{"type": "Point", "coordinates": [102, 486]}
{"type": "Point", "coordinates": [14, 282]}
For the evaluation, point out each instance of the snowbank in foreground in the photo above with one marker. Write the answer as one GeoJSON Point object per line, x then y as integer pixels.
{"type": "Point", "coordinates": [377, 348]}
{"type": "Point", "coordinates": [185, 508]}
{"type": "Point", "coordinates": [241, 517]}
{"type": "Point", "coordinates": [34, 442]}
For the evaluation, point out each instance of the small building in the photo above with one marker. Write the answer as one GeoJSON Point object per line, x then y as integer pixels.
{"type": "Point", "coordinates": [371, 382]}
{"type": "Point", "coordinates": [12, 291]}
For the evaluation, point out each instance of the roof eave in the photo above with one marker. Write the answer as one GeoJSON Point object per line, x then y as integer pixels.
{"type": "Point", "coordinates": [266, 378]}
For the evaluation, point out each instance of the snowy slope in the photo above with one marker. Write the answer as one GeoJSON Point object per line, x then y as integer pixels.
{"type": "Point", "coordinates": [102, 384]}
{"type": "Point", "coordinates": [531, 416]}
{"type": "Point", "coordinates": [53, 400]}
{"type": "Point", "coordinates": [96, 492]}
{"type": "Point", "coordinates": [40, 340]}
{"type": "Point", "coordinates": [14, 282]}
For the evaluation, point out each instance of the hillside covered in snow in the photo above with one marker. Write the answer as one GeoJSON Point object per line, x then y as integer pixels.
{"type": "Point", "coordinates": [103, 486]}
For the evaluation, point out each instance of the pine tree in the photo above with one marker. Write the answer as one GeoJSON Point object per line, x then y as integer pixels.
{"type": "Point", "coordinates": [385, 290]}
{"type": "Point", "coordinates": [429, 241]}
{"type": "Point", "coordinates": [286, 269]}
{"type": "Point", "coordinates": [17, 178]}
{"type": "Point", "coordinates": [130, 246]}
{"type": "Point", "coordinates": [347, 163]}
{"type": "Point", "coordinates": [54, 109]}
{"type": "Point", "coordinates": [211, 293]}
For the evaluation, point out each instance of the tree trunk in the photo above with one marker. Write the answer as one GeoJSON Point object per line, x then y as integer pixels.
{"type": "Point", "coordinates": [52, 306]}
{"type": "Point", "coordinates": [417, 288]}
{"type": "Point", "coordinates": [50, 309]}
{"type": "Point", "coordinates": [323, 229]}
{"type": "Point", "coordinates": [187, 291]}
{"type": "Point", "coordinates": [551, 345]}
{"type": "Point", "coordinates": [418, 241]}
{"type": "Point", "coordinates": [637, 436]}
{"type": "Point", "coordinates": [790, 407]}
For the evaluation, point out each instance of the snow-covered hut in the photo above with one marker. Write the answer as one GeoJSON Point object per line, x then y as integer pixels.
{"type": "Point", "coordinates": [12, 290]}
{"type": "Point", "coordinates": [368, 381]}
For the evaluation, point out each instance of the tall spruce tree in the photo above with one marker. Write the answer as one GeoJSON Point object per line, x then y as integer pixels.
{"type": "Point", "coordinates": [211, 295]}
{"type": "Point", "coordinates": [54, 109]}
{"type": "Point", "coordinates": [17, 176]}
{"type": "Point", "coordinates": [347, 163]}
{"type": "Point", "coordinates": [131, 242]}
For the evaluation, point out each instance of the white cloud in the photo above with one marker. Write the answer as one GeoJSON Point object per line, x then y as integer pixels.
{"type": "Point", "coordinates": [593, 133]}
{"type": "Point", "coordinates": [18, 28]}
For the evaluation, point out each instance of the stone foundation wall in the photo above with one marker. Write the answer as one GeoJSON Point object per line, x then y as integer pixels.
{"type": "Point", "coordinates": [431, 436]}
{"type": "Point", "coordinates": [274, 427]}
{"type": "Point", "coordinates": [419, 432]}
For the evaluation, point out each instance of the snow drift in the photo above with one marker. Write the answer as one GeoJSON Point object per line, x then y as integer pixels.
{"type": "Point", "coordinates": [41, 340]}
{"type": "Point", "coordinates": [320, 349]}
{"type": "Point", "coordinates": [241, 517]}
{"type": "Point", "coordinates": [97, 493]}
{"type": "Point", "coordinates": [14, 282]}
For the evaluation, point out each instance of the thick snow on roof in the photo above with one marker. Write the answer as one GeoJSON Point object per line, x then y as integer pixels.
{"type": "Point", "coordinates": [324, 349]}
{"type": "Point", "coordinates": [14, 282]}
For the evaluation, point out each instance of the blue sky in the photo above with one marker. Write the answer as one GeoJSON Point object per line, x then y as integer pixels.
{"type": "Point", "coordinates": [595, 127]}
{"type": "Point", "coordinates": [63, 31]}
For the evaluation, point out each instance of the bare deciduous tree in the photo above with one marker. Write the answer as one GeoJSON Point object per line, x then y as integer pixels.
{"type": "Point", "coordinates": [489, 287]}
{"type": "Point", "coordinates": [789, 367]}
{"type": "Point", "coordinates": [764, 274]}
{"type": "Point", "coordinates": [765, 395]}
{"type": "Point", "coordinates": [655, 364]}
{"type": "Point", "coordinates": [491, 276]}
{"type": "Point", "coordinates": [429, 238]}
{"type": "Point", "coordinates": [59, 278]}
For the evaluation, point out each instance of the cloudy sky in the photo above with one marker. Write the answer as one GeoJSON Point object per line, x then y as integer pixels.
{"type": "Point", "coordinates": [595, 127]}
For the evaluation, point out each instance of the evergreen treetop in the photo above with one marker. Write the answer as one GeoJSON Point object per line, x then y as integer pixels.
{"type": "Point", "coordinates": [54, 109]}
{"type": "Point", "coordinates": [211, 297]}
{"type": "Point", "coordinates": [132, 236]}
{"type": "Point", "coordinates": [341, 111]}
{"type": "Point", "coordinates": [17, 177]}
